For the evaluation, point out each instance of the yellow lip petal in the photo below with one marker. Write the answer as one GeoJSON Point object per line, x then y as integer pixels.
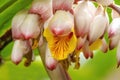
{"type": "Point", "coordinates": [96, 45]}
{"type": "Point", "coordinates": [60, 46]}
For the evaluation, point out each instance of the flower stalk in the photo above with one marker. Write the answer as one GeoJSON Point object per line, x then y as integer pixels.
{"type": "Point", "coordinates": [59, 72]}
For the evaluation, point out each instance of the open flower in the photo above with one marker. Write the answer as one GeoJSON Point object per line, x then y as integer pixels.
{"type": "Point", "coordinates": [60, 35]}
{"type": "Point", "coordinates": [61, 23]}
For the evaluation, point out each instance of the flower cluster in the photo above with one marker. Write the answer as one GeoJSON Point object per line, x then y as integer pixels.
{"type": "Point", "coordinates": [68, 27]}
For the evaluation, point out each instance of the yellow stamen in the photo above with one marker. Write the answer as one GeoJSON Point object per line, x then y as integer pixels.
{"type": "Point", "coordinates": [35, 44]}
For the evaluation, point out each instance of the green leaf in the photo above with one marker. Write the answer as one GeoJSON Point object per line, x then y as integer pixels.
{"type": "Point", "coordinates": [8, 13]}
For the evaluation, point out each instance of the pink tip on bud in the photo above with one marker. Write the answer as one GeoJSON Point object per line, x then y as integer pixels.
{"type": "Point", "coordinates": [104, 47]}
{"type": "Point", "coordinates": [80, 42]}
{"type": "Point", "coordinates": [114, 28]}
{"type": "Point", "coordinates": [30, 28]}
{"type": "Point", "coordinates": [86, 50]}
{"type": "Point", "coordinates": [50, 62]}
{"type": "Point", "coordinates": [57, 31]}
{"type": "Point", "coordinates": [114, 42]}
{"type": "Point", "coordinates": [18, 51]}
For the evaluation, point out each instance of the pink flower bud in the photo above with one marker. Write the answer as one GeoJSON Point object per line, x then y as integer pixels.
{"type": "Point", "coordinates": [62, 5]}
{"type": "Point", "coordinates": [20, 48]}
{"type": "Point", "coordinates": [114, 28]}
{"type": "Point", "coordinates": [50, 62]}
{"type": "Point", "coordinates": [43, 8]}
{"type": "Point", "coordinates": [86, 50]}
{"type": "Point", "coordinates": [98, 27]}
{"type": "Point", "coordinates": [17, 21]}
{"type": "Point", "coordinates": [61, 23]}
{"type": "Point", "coordinates": [105, 2]}
{"type": "Point", "coordinates": [114, 33]}
{"type": "Point", "coordinates": [84, 13]}
{"type": "Point", "coordinates": [30, 28]}
{"type": "Point", "coordinates": [80, 42]}
{"type": "Point", "coordinates": [104, 47]}
{"type": "Point", "coordinates": [114, 41]}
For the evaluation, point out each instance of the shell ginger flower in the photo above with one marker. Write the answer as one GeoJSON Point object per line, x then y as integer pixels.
{"type": "Point", "coordinates": [61, 45]}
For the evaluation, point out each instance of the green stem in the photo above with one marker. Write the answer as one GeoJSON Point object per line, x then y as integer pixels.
{"type": "Point", "coordinates": [115, 7]}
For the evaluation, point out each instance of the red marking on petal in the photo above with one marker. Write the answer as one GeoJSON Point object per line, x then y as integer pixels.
{"type": "Point", "coordinates": [26, 37]}
{"type": "Point", "coordinates": [57, 32]}
{"type": "Point", "coordinates": [111, 46]}
{"type": "Point", "coordinates": [76, 1]}
{"type": "Point", "coordinates": [51, 67]}
{"type": "Point", "coordinates": [70, 35]}
{"type": "Point", "coordinates": [79, 47]}
{"type": "Point", "coordinates": [91, 54]}
{"type": "Point", "coordinates": [110, 34]}
{"type": "Point", "coordinates": [86, 55]}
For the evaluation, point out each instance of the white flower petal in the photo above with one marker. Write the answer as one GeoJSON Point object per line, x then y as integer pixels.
{"type": "Point", "coordinates": [61, 23]}
{"type": "Point", "coordinates": [43, 8]}
{"type": "Point", "coordinates": [114, 28]}
{"type": "Point", "coordinates": [83, 17]}
{"type": "Point", "coordinates": [17, 21]}
{"type": "Point", "coordinates": [114, 41]}
{"type": "Point", "coordinates": [20, 48]}
{"type": "Point", "coordinates": [30, 27]}
{"type": "Point", "coordinates": [62, 5]}
{"type": "Point", "coordinates": [97, 27]}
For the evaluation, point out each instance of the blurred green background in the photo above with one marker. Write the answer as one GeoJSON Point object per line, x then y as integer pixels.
{"type": "Point", "coordinates": [102, 67]}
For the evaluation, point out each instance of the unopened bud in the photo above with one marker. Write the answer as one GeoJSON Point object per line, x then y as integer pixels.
{"type": "Point", "coordinates": [43, 8]}
{"type": "Point", "coordinates": [84, 13]}
{"type": "Point", "coordinates": [20, 48]}
{"type": "Point", "coordinates": [17, 21]}
{"type": "Point", "coordinates": [50, 62]}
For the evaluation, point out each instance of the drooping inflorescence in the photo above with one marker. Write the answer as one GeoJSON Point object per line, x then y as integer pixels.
{"type": "Point", "coordinates": [68, 28]}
